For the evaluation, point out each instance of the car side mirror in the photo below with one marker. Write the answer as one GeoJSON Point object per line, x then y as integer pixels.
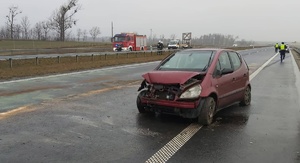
{"type": "Point", "coordinates": [227, 71]}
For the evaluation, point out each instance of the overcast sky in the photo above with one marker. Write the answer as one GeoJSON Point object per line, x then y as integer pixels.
{"type": "Point", "coordinates": [256, 20]}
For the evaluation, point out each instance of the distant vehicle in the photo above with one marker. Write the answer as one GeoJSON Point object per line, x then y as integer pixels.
{"type": "Point", "coordinates": [174, 44]}
{"type": "Point", "coordinates": [287, 49]}
{"type": "Point", "coordinates": [196, 84]}
{"type": "Point", "coordinates": [129, 42]}
{"type": "Point", "coordinates": [234, 45]}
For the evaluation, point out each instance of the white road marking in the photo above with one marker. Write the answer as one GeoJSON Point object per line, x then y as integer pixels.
{"type": "Point", "coordinates": [167, 151]}
{"type": "Point", "coordinates": [262, 67]}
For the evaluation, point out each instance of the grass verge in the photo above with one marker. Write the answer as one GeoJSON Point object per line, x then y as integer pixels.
{"type": "Point", "coordinates": [45, 66]}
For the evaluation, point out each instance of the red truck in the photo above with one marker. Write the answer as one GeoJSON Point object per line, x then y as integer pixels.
{"type": "Point", "coordinates": [129, 42]}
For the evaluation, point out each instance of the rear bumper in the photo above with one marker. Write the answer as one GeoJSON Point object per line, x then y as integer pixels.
{"type": "Point", "coordinates": [173, 47]}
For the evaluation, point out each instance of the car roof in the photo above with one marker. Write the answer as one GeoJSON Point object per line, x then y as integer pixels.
{"type": "Point", "coordinates": [205, 49]}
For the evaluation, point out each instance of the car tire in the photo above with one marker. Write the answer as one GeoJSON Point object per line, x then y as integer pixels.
{"type": "Point", "coordinates": [139, 105]}
{"type": "Point", "coordinates": [247, 97]}
{"type": "Point", "coordinates": [207, 111]}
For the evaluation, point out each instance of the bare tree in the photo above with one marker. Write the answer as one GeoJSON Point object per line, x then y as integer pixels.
{"type": "Point", "coordinates": [38, 30]}
{"type": "Point", "coordinates": [69, 36]}
{"type": "Point", "coordinates": [46, 26]}
{"type": "Point", "coordinates": [25, 27]}
{"type": "Point", "coordinates": [79, 33]}
{"type": "Point", "coordinates": [17, 31]}
{"type": "Point", "coordinates": [13, 12]}
{"type": "Point", "coordinates": [63, 18]}
{"type": "Point", "coordinates": [173, 36]}
{"type": "Point", "coordinates": [84, 33]}
{"type": "Point", "coordinates": [94, 32]}
{"type": "Point", "coordinates": [4, 32]}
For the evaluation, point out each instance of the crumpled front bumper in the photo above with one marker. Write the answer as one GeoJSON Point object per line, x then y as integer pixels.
{"type": "Point", "coordinates": [186, 109]}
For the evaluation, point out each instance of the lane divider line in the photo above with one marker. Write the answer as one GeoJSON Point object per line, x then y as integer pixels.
{"type": "Point", "coordinates": [167, 151]}
{"type": "Point", "coordinates": [261, 67]}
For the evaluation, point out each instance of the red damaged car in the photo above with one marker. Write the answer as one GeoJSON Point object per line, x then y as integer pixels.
{"type": "Point", "coordinates": [196, 83]}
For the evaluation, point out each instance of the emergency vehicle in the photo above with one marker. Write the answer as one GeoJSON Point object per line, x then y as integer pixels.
{"type": "Point", "coordinates": [129, 42]}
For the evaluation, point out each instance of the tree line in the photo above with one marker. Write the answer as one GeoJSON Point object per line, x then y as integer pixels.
{"type": "Point", "coordinates": [214, 40]}
{"type": "Point", "coordinates": [54, 28]}
{"type": "Point", "coordinates": [57, 26]}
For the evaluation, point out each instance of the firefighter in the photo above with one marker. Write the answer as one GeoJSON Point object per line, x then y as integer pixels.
{"type": "Point", "coordinates": [160, 46]}
{"type": "Point", "coordinates": [276, 47]}
{"type": "Point", "coordinates": [282, 50]}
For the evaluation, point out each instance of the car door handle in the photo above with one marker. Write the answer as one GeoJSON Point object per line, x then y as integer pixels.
{"type": "Point", "coordinates": [234, 79]}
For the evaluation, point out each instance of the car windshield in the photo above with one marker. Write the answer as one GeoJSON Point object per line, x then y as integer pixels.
{"type": "Point", "coordinates": [173, 42]}
{"type": "Point", "coordinates": [188, 60]}
{"type": "Point", "coordinates": [119, 38]}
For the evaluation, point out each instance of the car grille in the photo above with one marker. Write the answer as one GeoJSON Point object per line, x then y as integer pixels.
{"type": "Point", "coordinates": [165, 92]}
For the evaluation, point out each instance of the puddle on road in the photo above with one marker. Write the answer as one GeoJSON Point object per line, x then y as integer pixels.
{"type": "Point", "coordinates": [239, 120]}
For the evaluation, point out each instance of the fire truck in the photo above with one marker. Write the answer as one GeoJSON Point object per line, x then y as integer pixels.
{"type": "Point", "coordinates": [129, 42]}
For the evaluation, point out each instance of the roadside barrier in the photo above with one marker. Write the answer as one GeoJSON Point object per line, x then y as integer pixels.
{"type": "Point", "coordinates": [63, 59]}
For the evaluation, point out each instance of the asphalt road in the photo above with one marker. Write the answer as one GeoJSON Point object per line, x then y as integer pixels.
{"type": "Point", "coordinates": [91, 116]}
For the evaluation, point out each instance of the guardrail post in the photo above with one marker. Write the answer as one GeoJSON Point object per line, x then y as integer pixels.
{"type": "Point", "coordinates": [105, 55]}
{"type": "Point", "coordinates": [92, 57]}
{"type": "Point", "coordinates": [76, 58]}
{"type": "Point", "coordinates": [10, 62]}
{"type": "Point", "coordinates": [136, 54]}
{"type": "Point", "coordinates": [36, 61]}
{"type": "Point", "coordinates": [58, 59]}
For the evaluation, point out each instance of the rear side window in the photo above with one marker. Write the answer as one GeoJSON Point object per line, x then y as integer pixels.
{"type": "Point", "coordinates": [235, 59]}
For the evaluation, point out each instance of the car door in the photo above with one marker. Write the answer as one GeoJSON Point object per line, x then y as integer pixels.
{"type": "Point", "coordinates": [240, 73]}
{"type": "Point", "coordinates": [225, 83]}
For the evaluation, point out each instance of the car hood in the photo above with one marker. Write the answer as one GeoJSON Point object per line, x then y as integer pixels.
{"type": "Point", "coordinates": [169, 77]}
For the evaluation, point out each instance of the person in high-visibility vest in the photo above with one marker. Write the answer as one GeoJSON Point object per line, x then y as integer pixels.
{"type": "Point", "coordinates": [276, 47]}
{"type": "Point", "coordinates": [282, 50]}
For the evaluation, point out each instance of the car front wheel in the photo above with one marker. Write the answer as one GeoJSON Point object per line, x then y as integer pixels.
{"type": "Point", "coordinates": [207, 111]}
{"type": "Point", "coordinates": [139, 105]}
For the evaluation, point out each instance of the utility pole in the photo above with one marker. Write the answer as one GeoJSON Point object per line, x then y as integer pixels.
{"type": "Point", "coordinates": [150, 39]}
{"type": "Point", "coordinates": [112, 31]}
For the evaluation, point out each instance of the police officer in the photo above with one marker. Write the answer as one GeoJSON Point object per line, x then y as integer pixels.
{"type": "Point", "coordinates": [276, 47]}
{"type": "Point", "coordinates": [160, 47]}
{"type": "Point", "coordinates": [282, 50]}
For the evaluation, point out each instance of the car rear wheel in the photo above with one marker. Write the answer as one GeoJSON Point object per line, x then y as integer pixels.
{"type": "Point", "coordinates": [207, 111]}
{"type": "Point", "coordinates": [247, 97]}
{"type": "Point", "coordinates": [139, 105]}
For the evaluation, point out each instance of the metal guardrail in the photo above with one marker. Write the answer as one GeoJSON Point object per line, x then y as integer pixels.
{"type": "Point", "coordinates": [297, 50]}
{"type": "Point", "coordinates": [35, 59]}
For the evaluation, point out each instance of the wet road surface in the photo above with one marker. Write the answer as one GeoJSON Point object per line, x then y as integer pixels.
{"type": "Point", "coordinates": [91, 116]}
